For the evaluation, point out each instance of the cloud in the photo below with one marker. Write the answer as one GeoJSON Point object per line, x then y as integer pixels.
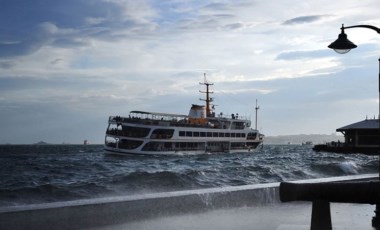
{"type": "Point", "coordinates": [30, 43]}
{"type": "Point", "coordinates": [305, 19]}
{"type": "Point", "coordinates": [304, 54]}
{"type": "Point", "coordinates": [6, 64]}
{"type": "Point", "coordinates": [72, 23]}
{"type": "Point", "coordinates": [238, 25]}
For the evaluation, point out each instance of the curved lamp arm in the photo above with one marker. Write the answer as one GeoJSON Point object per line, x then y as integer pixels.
{"type": "Point", "coordinates": [363, 26]}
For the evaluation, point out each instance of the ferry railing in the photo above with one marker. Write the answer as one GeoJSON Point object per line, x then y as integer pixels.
{"type": "Point", "coordinates": [171, 120]}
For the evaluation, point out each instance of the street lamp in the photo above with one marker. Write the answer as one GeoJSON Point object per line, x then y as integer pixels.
{"type": "Point", "coordinates": [342, 45]}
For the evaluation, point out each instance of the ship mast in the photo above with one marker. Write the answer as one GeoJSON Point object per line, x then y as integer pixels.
{"type": "Point", "coordinates": [208, 98]}
{"type": "Point", "coordinates": [256, 108]}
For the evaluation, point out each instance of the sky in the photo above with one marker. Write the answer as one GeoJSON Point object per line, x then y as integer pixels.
{"type": "Point", "coordinates": [66, 66]}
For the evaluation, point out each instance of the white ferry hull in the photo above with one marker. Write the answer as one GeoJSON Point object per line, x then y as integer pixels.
{"type": "Point", "coordinates": [117, 151]}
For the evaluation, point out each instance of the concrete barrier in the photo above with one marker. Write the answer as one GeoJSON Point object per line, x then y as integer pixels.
{"type": "Point", "coordinates": [324, 193]}
{"type": "Point", "coordinates": [116, 210]}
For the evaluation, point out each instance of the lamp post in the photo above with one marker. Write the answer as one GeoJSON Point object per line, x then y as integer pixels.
{"type": "Point", "coordinates": [342, 45]}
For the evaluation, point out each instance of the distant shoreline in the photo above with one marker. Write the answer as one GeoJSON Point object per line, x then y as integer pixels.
{"type": "Point", "coordinates": [303, 138]}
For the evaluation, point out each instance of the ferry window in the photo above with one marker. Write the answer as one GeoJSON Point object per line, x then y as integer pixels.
{"type": "Point", "coordinates": [192, 145]}
{"type": "Point", "coordinates": [189, 134]}
{"type": "Point", "coordinates": [209, 134]}
{"type": "Point", "coordinates": [237, 125]}
{"type": "Point", "coordinates": [221, 134]}
{"type": "Point", "coordinates": [250, 143]}
{"type": "Point", "coordinates": [168, 145]}
{"type": "Point", "coordinates": [129, 144]}
{"type": "Point", "coordinates": [215, 134]}
{"type": "Point", "coordinates": [237, 145]}
{"type": "Point", "coordinates": [240, 125]}
{"type": "Point", "coordinates": [162, 134]}
{"type": "Point", "coordinates": [227, 135]}
{"type": "Point", "coordinates": [251, 136]}
{"type": "Point", "coordinates": [232, 134]}
{"type": "Point", "coordinates": [182, 133]}
{"type": "Point", "coordinates": [138, 132]}
{"type": "Point", "coordinates": [196, 134]}
{"type": "Point", "coordinates": [243, 135]}
{"type": "Point", "coordinates": [203, 134]}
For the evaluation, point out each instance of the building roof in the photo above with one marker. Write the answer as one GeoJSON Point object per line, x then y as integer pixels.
{"type": "Point", "coordinates": [365, 124]}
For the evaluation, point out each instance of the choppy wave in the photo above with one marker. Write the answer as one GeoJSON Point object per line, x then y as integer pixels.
{"type": "Point", "coordinates": [36, 174]}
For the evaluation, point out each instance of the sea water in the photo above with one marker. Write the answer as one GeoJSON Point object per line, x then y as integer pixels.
{"type": "Point", "coordinates": [31, 174]}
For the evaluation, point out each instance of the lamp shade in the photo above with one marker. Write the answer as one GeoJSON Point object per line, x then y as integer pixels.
{"type": "Point", "coordinates": [342, 45]}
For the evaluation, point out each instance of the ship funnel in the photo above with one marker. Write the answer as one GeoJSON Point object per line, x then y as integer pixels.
{"type": "Point", "coordinates": [197, 111]}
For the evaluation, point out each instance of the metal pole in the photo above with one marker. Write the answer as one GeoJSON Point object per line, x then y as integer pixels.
{"type": "Point", "coordinates": [376, 218]}
{"type": "Point", "coordinates": [256, 108]}
{"type": "Point", "coordinates": [342, 43]}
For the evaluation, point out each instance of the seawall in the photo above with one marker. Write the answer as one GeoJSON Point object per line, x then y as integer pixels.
{"type": "Point", "coordinates": [91, 213]}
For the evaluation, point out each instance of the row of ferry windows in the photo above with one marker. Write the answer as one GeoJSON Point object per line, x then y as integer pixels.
{"type": "Point", "coordinates": [209, 134]}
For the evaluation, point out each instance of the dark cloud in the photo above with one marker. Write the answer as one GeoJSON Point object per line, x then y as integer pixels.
{"type": "Point", "coordinates": [217, 6]}
{"type": "Point", "coordinates": [29, 43]}
{"type": "Point", "coordinates": [227, 6]}
{"type": "Point", "coordinates": [6, 64]}
{"type": "Point", "coordinates": [21, 16]}
{"type": "Point", "coordinates": [305, 19]}
{"type": "Point", "coordinates": [56, 61]}
{"type": "Point", "coordinates": [234, 26]}
{"type": "Point", "coordinates": [26, 26]}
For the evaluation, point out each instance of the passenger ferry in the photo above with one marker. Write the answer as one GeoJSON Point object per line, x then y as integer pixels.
{"type": "Point", "coordinates": [150, 133]}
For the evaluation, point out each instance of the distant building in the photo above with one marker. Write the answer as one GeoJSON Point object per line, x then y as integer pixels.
{"type": "Point", "coordinates": [359, 137]}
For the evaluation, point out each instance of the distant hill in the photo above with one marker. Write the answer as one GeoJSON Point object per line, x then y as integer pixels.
{"type": "Point", "coordinates": [41, 143]}
{"type": "Point", "coordinates": [302, 138]}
